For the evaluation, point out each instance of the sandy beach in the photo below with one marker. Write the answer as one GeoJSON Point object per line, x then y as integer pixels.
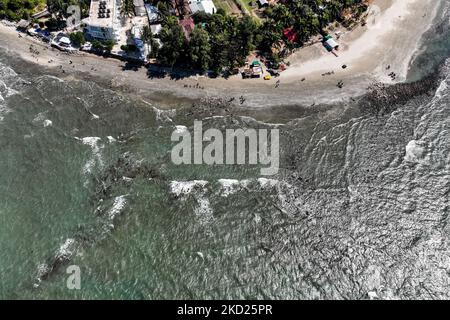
{"type": "Point", "coordinates": [387, 43]}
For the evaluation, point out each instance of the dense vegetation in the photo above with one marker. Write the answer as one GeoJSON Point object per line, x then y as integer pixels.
{"type": "Point", "coordinates": [222, 42]}
{"type": "Point", "coordinates": [19, 9]}
{"type": "Point", "coordinates": [219, 42]}
{"type": "Point", "coordinates": [59, 7]}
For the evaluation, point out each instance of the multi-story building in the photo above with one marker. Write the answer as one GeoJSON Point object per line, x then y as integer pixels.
{"type": "Point", "coordinates": [103, 22]}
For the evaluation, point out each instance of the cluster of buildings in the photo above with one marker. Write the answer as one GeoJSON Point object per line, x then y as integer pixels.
{"type": "Point", "coordinates": [105, 21]}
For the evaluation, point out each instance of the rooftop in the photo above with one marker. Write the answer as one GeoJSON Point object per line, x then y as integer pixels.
{"type": "Point", "coordinates": [202, 5]}
{"type": "Point", "coordinates": [152, 13]}
{"type": "Point", "coordinates": [188, 26]}
{"type": "Point", "coordinates": [101, 13]}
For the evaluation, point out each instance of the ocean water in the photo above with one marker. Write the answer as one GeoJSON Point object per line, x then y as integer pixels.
{"type": "Point", "coordinates": [359, 209]}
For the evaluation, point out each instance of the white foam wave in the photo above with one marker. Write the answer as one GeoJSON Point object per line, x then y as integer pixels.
{"type": "Point", "coordinates": [66, 250]}
{"type": "Point", "coordinates": [96, 159]}
{"type": "Point", "coordinates": [164, 115]}
{"type": "Point", "coordinates": [119, 205]}
{"type": "Point", "coordinates": [180, 188]}
{"type": "Point", "coordinates": [414, 152]}
{"type": "Point", "coordinates": [180, 129]}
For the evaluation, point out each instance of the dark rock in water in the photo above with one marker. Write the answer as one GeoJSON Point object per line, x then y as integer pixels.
{"type": "Point", "coordinates": [125, 166]}
{"type": "Point", "coordinates": [383, 99]}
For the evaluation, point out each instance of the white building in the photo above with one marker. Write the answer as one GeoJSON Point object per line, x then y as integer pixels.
{"type": "Point", "coordinates": [103, 22]}
{"type": "Point", "coordinates": [139, 8]}
{"type": "Point", "coordinates": [202, 5]}
{"type": "Point", "coordinates": [331, 44]}
{"type": "Point", "coordinates": [156, 28]}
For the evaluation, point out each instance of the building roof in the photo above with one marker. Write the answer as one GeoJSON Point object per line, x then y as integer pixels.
{"type": "Point", "coordinates": [156, 28]}
{"type": "Point", "coordinates": [188, 26]}
{"type": "Point", "coordinates": [290, 34]}
{"type": "Point", "coordinates": [333, 44]}
{"type": "Point", "coordinates": [139, 8]}
{"type": "Point", "coordinates": [23, 24]}
{"type": "Point", "coordinates": [202, 5]}
{"type": "Point", "coordinates": [105, 21]}
{"type": "Point", "coordinates": [152, 13]}
{"type": "Point", "coordinates": [263, 2]}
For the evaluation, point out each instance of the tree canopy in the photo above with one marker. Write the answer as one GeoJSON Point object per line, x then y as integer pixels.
{"type": "Point", "coordinates": [221, 42]}
{"type": "Point", "coordinates": [19, 9]}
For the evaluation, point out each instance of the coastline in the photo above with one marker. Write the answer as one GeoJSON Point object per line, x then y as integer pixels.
{"type": "Point", "coordinates": [367, 51]}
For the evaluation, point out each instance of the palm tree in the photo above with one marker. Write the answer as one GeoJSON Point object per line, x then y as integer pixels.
{"type": "Point", "coordinates": [127, 8]}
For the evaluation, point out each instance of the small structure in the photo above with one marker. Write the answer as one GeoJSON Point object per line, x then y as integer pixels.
{"type": "Point", "coordinates": [153, 14]}
{"type": "Point", "coordinates": [263, 3]}
{"type": "Point", "coordinates": [42, 14]}
{"type": "Point", "coordinates": [188, 26]}
{"type": "Point", "coordinates": [23, 25]}
{"type": "Point", "coordinates": [64, 42]}
{"type": "Point", "coordinates": [101, 23]}
{"type": "Point", "coordinates": [257, 72]}
{"type": "Point", "coordinates": [330, 44]}
{"type": "Point", "coordinates": [139, 8]}
{"type": "Point", "coordinates": [202, 5]}
{"type": "Point", "coordinates": [156, 28]}
{"type": "Point", "coordinates": [254, 70]}
{"type": "Point", "coordinates": [290, 34]}
{"type": "Point", "coordinates": [38, 32]}
{"type": "Point", "coordinates": [247, 73]}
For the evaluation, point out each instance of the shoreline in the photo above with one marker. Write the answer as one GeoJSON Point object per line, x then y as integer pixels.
{"type": "Point", "coordinates": [389, 25]}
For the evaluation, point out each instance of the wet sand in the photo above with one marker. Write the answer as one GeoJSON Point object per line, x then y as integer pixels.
{"type": "Point", "coordinates": [389, 21]}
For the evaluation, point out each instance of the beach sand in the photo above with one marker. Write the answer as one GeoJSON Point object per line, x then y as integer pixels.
{"type": "Point", "coordinates": [391, 37]}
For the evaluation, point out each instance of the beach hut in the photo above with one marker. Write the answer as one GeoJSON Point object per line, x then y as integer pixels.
{"type": "Point", "coordinates": [257, 71]}
{"type": "Point", "coordinates": [256, 63]}
{"type": "Point", "coordinates": [330, 44]}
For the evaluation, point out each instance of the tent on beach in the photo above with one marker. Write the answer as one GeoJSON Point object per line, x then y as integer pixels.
{"type": "Point", "coordinates": [330, 43]}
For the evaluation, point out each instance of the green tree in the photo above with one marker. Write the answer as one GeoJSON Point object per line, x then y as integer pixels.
{"type": "Point", "coordinates": [149, 39]}
{"type": "Point", "coordinates": [77, 38]}
{"type": "Point", "coordinates": [127, 8]}
{"type": "Point", "coordinates": [199, 49]}
{"type": "Point", "coordinates": [173, 42]}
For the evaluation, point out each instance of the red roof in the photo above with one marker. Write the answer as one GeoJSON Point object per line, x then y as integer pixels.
{"type": "Point", "coordinates": [188, 26]}
{"type": "Point", "coordinates": [290, 34]}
